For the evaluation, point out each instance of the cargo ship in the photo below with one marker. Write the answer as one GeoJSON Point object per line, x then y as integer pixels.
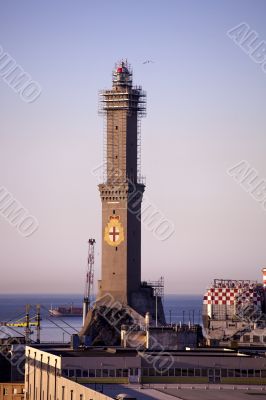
{"type": "Point", "coordinates": [66, 311]}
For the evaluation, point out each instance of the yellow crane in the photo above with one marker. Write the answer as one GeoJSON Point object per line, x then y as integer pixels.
{"type": "Point", "coordinates": [27, 322]}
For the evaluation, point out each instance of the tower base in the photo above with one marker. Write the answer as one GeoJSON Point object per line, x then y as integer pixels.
{"type": "Point", "coordinates": [104, 322]}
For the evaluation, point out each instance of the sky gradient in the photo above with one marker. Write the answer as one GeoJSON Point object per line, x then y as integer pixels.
{"type": "Point", "coordinates": [205, 113]}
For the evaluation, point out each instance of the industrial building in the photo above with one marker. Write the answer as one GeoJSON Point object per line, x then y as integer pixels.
{"type": "Point", "coordinates": [234, 313]}
{"type": "Point", "coordinates": [12, 391]}
{"type": "Point", "coordinates": [61, 372]}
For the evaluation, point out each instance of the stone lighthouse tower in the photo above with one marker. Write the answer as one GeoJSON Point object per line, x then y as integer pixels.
{"type": "Point", "coordinates": [121, 195]}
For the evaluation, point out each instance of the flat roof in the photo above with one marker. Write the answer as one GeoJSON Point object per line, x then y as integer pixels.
{"type": "Point", "coordinates": [67, 351]}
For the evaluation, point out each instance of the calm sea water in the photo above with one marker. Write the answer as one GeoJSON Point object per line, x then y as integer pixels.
{"type": "Point", "coordinates": [178, 308]}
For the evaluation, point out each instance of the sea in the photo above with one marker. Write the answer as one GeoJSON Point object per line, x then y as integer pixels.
{"type": "Point", "coordinates": [179, 309]}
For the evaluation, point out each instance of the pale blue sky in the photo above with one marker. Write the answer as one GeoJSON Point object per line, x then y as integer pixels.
{"type": "Point", "coordinates": [206, 112]}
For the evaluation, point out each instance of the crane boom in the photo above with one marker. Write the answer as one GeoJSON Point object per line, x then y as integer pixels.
{"type": "Point", "coordinates": [89, 280]}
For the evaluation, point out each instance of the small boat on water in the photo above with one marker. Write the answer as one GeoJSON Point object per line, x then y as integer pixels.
{"type": "Point", "coordinates": [66, 311]}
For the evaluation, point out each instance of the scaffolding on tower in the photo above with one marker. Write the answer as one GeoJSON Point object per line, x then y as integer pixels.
{"type": "Point", "coordinates": [87, 302]}
{"type": "Point", "coordinates": [128, 100]}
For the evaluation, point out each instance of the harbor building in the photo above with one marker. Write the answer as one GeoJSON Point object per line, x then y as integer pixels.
{"type": "Point", "coordinates": [61, 372]}
{"type": "Point", "coordinates": [234, 313]}
{"type": "Point", "coordinates": [12, 391]}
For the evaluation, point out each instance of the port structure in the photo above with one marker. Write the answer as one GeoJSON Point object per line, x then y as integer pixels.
{"type": "Point", "coordinates": [27, 322]}
{"type": "Point", "coordinates": [234, 311]}
{"type": "Point", "coordinates": [158, 292]}
{"type": "Point", "coordinates": [87, 302]}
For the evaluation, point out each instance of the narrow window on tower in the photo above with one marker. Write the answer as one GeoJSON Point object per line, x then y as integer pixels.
{"type": "Point", "coordinates": [113, 211]}
{"type": "Point", "coordinates": [116, 127]}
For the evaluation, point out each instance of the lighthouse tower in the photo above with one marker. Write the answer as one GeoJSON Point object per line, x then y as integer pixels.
{"type": "Point", "coordinates": [121, 195]}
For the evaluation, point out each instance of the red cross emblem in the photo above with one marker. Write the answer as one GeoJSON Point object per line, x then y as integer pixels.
{"type": "Point", "coordinates": [114, 234]}
{"type": "Point", "coordinates": [114, 231]}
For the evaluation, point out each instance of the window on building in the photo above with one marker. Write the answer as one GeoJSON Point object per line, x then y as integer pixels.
{"type": "Point", "coordinates": [231, 373]}
{"type": "Point", "coordinates": [112, 372]}
{"type": "Point", "coordinates": [151, 372]}
{"type": "Point", "coordinates": [91, 373]}
{"type": "Point", "coordinates": [85, 373]}
{"type": "Point", "coordinates": [190, 372]}
{"type": "Point", "coordinates": [177, 372]}
{"type": "Point", "coordinates": [224, 373]}
{"type": "Point", "coordinates": [171, 372]}
{"type": "Point", "coordinates": [5, 391]}
{"type": "Point", "coordinates": [184, 371]}
{"type": "Point", "coordinates": [246, 338]}
{"type": "Point", "coordinates": [98, 373]}
{"type": "Point", "coordinates": [105, 373]}
{"type": "Point", "coordinates": [134, 371]}
{"type": "Point", "coordinates": [244, 373]}
{"type": "Point", "coordinates": [257, 373]}
{"type": "Point", "coordinates": [197, 372]}
{"type": "Point", "coordinates": [78, 373]}
{"type": "Point", "coordinates": [71, 373]}
{"type": "Point", "coordinates": [164, 372]}
{"type": "Point", "coordinates": [256, 339]}
{"type": "Point", "coordinates": [250, 373]}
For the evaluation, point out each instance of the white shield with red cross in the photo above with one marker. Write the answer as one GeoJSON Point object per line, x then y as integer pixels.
{"type": "Point", "coordinates": [114, 232]}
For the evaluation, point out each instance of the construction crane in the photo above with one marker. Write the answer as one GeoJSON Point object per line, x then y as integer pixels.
{"type": "Point", "coordinates": [89, 280]}
{"type": "Point", "coordinates": [27, 322]}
